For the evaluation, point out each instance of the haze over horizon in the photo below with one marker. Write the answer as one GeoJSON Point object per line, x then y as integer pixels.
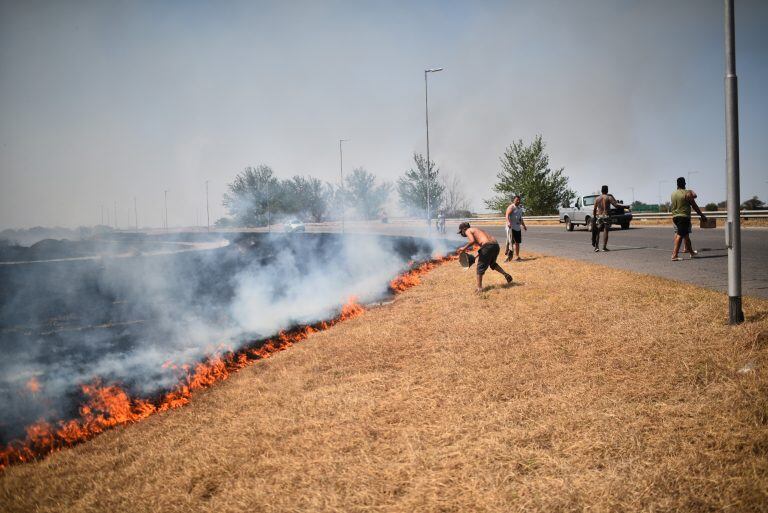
{"type": "Point", "coordinates": [101, 102]}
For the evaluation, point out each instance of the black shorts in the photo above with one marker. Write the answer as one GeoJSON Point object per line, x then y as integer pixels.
{"type": "Point", "coordinates": [517, 236]}
{"type": "Point", "coordinates": [486, 256]}
{"type": "Point", "coordinates": [682, 225]}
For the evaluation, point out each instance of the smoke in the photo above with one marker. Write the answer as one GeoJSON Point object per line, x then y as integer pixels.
{"type": "Point", "coordinates": [135, 321]}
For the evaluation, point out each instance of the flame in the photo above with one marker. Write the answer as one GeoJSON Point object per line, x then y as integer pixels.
{"type": "Point", "coordinates": [33, 385]}
{"type": "Point", "coordinates": [107, 406]}
{"type": "Point", "coordinates": [412, 277]}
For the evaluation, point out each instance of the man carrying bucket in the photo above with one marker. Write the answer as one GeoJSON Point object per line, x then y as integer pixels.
{"type": "Point", "coordinates": [486, 255]}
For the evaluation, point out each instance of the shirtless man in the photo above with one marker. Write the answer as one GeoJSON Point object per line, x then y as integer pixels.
{"type": "Point", "coordinates": [600, 218]}
{"type": "Point", "coordinates": [486, 255]}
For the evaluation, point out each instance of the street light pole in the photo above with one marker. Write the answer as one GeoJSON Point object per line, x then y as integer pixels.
{"type": "Point", "coordinates": [633, 194]}
{"type": "Point", "coordinates": [429, 166]}
{"type": "Point", "coordinates": [341, 178]}
{"type": "Point", "coordinates": [115, 214]}
{"type": "Point", "coordinates": [733, 222]}
{"type": "Point", "coordinates": [207, 208]}
{"type": "Point", "coordinates": [689, 177]}
{"type": "Point", "coordinates": [135, 214]}
{"type": "Point", "coordinates": [661, 182]}
{"type": "Point", "coordinates": [166, 209]}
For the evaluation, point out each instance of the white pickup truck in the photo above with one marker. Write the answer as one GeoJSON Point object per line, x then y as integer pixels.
{"type": "Point", "coordinates": [581, 213]}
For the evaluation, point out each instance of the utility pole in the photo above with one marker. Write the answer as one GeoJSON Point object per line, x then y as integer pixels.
{"type": "Point", "coordinates": [102, 215]}
{"type": "Point", "coordinates": [166, 209]}
{"type": "Point", "coordinates": [429, 167]}
{"type": "Point", "coordinates": [733, 221]}
{"type": "Point", "coordinates": [135, 214]}
{"type": "Point", "coordinates": [661, 182]}
{"type": "Point", "coordinates": [341, 182]}
{"type": "Point", "coordinates": [115, 214]}
{"type": "Point", "coordinates": [688, 184]}
{"type": "Point", "coordinates": [207, 208]}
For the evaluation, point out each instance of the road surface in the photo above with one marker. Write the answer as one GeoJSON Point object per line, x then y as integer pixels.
{"type": "Point", "coordinates": [641, 249]}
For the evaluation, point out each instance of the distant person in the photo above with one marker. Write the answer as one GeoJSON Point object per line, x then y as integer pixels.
{"type": "Point", "coordinates": [601, 219]}
{"type": "Point", "coordinates": [441, 221]}
{"type": "Point", "coordinates": [682, 201]}
{"type": "Point", "coordinates": [515, 222]}
{"type": "Point", "coordinates": [486, 255]}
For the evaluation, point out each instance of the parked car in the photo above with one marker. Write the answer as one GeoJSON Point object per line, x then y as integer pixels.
{"type": "Point", "coordinates": [581, 214]}
{"type": "Point", "coordinates": [294, 226]}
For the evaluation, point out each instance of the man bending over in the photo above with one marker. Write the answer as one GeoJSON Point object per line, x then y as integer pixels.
{"type": "Point", "coordinates": [486, 255]}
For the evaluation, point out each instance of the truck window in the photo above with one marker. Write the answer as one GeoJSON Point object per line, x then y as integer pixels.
{"type": "Point", "coordinates": [589, 200]}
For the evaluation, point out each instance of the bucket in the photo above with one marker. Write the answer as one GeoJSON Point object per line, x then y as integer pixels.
{"type": "Point", "coordinates": [466, 260]}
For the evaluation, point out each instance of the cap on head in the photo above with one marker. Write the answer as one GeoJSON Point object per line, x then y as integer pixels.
{"type": "Point", "coordinates": [681, 183]}
{"type": "Point", "coordinates": [604, 189]}
{"type": "Point", "coordinates": [463, 228]}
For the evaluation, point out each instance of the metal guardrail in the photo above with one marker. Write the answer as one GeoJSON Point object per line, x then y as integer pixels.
{"type": "Point", "coordinates": [745, 214]}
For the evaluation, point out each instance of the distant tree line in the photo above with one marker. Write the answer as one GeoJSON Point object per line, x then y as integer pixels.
{"type": "Point", "coordinates": [257, 196]}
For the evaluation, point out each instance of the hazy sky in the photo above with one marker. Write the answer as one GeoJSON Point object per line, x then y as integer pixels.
{"type": "Point", "coordinates": [104, 101]}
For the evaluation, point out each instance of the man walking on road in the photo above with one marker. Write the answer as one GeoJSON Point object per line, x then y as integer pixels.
{"type": "Point", "coordinates": [514, 215]}
{"type": "Point", "coordinates": [601, 220]}
{"type": "Point", "coordinates": [486, 255]}
{"type": "Point", "coordinates": [682, 201]}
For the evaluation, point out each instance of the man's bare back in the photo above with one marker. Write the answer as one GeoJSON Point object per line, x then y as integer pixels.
{"type": "Point", "coordinates": [478, 236]}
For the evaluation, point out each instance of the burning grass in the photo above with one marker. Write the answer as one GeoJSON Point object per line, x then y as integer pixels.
{"type": "Point", "coordinates": [108, 406]}
{"type": "Point", "coordinates": [517, 399]}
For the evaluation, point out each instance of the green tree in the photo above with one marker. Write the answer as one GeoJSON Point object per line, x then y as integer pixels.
{"type": "Point", "coordinates": [253, 196]}
{"type": "Point", "coordinates": [525, 171]}
{"type": "Point", "coordinates": [412, 187]}
{"type": "Point", "coordinates": [754, 203]}
{"type": "Point", "coordinates": [307, 196]}
{"type": "Point", "coordinates": [710, 207]}
{"type": "Point", "coordinates": [363, 194]}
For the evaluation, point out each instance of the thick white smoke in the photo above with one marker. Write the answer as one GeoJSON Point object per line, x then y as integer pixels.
{"type": "Point", "coordinates": [131, 320]}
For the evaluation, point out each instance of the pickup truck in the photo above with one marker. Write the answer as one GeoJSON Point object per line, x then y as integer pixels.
{"type": "Point", "coordinates": [581, 213]}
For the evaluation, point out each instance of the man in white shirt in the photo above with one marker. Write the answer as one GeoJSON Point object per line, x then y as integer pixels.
{"type": "Point", "coordinates": [515, 223]}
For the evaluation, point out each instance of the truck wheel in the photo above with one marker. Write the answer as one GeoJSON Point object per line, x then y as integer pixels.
{"type": "Point", "coordinates": [625, 226]}
{"type": "Point", "coordinates": [588, 223]}
{"type": "Point", "coordinates": [568, 224]}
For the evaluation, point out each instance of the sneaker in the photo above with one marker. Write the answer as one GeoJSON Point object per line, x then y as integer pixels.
{"type": "Point", "coordinates": [605, 249]}
{"type": "Point", "coordinates": [509, 278]}
{"type": "Point", "coordinates": [597, 250]}
{"type": "Point", "coordinates": [676, 259]}
{"type": "Point", "coordinates": [693, 254]}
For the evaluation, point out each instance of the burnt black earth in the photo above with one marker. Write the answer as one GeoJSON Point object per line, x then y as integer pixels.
{"type": "Point", "coordinates": [122, 320]}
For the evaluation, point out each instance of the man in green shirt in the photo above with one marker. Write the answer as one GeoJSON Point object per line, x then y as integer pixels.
{"type": "Point", "coordinates": [681, 203]}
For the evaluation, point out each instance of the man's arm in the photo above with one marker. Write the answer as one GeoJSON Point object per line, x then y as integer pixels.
{"type": "Point", "coordinates": [691, 197]}
{"type": "Point", "coordinates": [508, 212]}
{"type": "Point", "coordinates": [470, 242]}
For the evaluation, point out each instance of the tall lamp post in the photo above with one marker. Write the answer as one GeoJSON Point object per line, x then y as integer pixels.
{"type": "Point", "coordinates": [429, 167]}
{"type": "Point", "coordinates": [733, 222]}
{"type": "Point", "coordinates": [661, 182]}
{"type": "Point", "coordinates": [165, 192]}
{"type": "Point", "coordinates": [689, 176]}
{"type": "Point", "coordinates": [207, 208]}
{"type": "Point", "coordinates": [341, 178]}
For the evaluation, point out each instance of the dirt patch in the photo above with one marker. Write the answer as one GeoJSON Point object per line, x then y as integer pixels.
{"type": "Point", "coordinates": [521, 398]}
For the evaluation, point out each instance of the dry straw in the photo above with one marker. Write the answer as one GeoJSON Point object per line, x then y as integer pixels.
{"type": "Point", "coordinates": [578, 388]}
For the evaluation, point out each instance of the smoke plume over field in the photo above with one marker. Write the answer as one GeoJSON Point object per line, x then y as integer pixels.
{"type": "Point", "coordinates": [137, 321]}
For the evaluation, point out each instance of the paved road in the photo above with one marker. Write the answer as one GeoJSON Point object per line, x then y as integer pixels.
{"type": "Point", "coordinates": [641, 249]}
{"type": "Point", "coordinates": [648, 250]}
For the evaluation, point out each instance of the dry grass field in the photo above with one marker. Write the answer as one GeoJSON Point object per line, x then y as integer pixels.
{"type": "Point", "coordinates": [521, 398]}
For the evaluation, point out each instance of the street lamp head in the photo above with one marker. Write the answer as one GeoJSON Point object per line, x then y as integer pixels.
{"type": "Point", "coordinates": [433, 70]}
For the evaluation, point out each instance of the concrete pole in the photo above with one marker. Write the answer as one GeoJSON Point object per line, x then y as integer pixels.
{"type": "Point", "coordinates": [733, 222]}
{"type": "Point", "coordinates": [341, 183]}
{"type": "Point", "coordinates": [207, 208]}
